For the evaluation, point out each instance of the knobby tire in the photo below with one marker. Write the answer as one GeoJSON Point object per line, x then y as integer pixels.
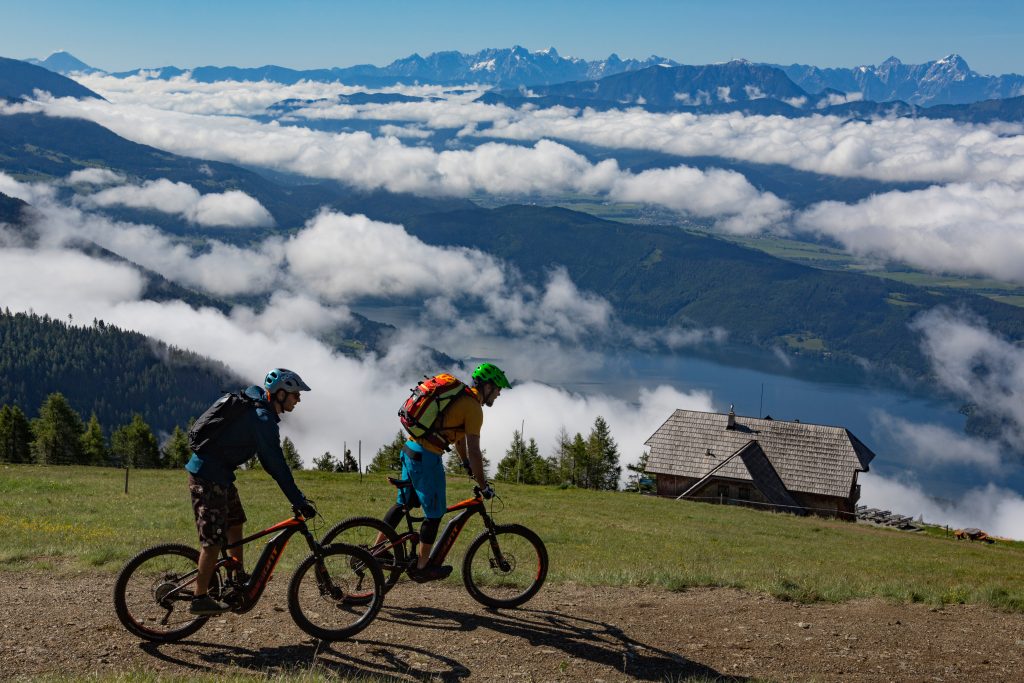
{"type": "Point", "coordinates": [142, 611]}
{"type": "Point", "coordinates": [493, 584]}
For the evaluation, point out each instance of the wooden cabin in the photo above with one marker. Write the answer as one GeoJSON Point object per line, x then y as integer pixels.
{"type": "Point", "coordinates": [772, 464]}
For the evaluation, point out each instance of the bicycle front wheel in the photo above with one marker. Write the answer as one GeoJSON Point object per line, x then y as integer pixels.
{"type": "Point", "coordinates": [153, 593]}
{"type": "Point", "coordinates": [506, 567]}
{"type": "Point", "coordinates": [392, 556]}
{"type": "Point", "coordinates": [335, 594]}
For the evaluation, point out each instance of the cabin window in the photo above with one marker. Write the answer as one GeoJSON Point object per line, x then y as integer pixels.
{"type": "Point", "coordinates": [744, 493]}
{"type": "Point", "coordinates": [723, 490]}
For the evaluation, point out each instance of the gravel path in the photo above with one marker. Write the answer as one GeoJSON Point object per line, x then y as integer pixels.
{"type": "Point", "coordinates": [66, 625]}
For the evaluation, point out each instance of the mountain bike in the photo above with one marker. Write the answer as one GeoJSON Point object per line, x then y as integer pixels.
{"type": "Point", "coordinates": [334, 593]}
{"type": "Point", "coordinates": [504, 566]}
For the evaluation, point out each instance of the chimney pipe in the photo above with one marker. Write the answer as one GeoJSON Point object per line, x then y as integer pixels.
{"type": "Point", "coordinates": [731, 424]}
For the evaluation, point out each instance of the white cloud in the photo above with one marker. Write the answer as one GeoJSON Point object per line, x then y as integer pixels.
{"type": "Point", "coordinates": [405, 131]}
{"type": "Point", "coordinates": [897, 149]}
{"type": "Point", "coordinates": [971, 361]}
{"type": "Point", "coordinates": [931, 446]}
{"type": "Point", "coordinates": [233, 98]}
{"type": "Point", "coordinates": [962, 228]}
{"type": "Point", "coordinates": [997, 510]}
{"type": "Point", "coordinates": [59, 282]}
{"type": "Point", "coordinates": [232, 209]}
{"type": "Point", "coordinates": [345, 257]}
{"type": "Point", "coordinates": [32, 193]}
{"type": "Point", "coordinates": [753, 92]}
{"type": "Point", "coordinates": [95, 176]}
{"type": "Point", "coordinates": [835, 98]}
{"type": "Point", "coordinates": [725, 195]}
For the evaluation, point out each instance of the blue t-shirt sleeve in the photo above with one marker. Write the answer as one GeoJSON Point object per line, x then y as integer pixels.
{"type": "Point", "coordinates": [268, 450]}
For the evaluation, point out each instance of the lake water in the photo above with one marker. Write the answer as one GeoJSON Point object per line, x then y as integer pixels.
{"type": "Point", "coordinates": [845, 399]}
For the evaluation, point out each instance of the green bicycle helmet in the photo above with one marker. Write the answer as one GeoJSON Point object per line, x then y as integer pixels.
{"type": "Point", "coordinates": [489, 372]}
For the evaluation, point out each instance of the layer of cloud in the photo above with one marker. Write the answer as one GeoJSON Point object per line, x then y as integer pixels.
{"type": "Point", "coordinates": [229, 98]}
{"type": "Point", "coordinates": [231, 209]}
{"type": "Point", "coordinates": [960, 228]}
{"type": "Point", "coordinates": [894, 150]}
{"type": "Point", "coordinates": [899, 149]}
{"type": "Point", "coordinates": [360, 159]}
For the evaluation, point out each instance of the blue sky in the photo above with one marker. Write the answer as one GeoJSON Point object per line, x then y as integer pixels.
{"type": "Point", "coordinates": [117, 35]}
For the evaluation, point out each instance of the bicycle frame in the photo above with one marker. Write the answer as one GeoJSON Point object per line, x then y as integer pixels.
{"type": "Point", "coordinates": [252, 590]}
{"type": "Point", "coordinates": [446, 540]}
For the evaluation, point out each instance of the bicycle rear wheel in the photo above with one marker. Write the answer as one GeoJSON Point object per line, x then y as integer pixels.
{"type": "Point", "coordinates": [336, 594]}
{"type": "Point", "coordinates": [505, 568]}
{"type": "Point", "coordinates": [362, 532]}
{"type": "Point", "coordinates": [153, 593]}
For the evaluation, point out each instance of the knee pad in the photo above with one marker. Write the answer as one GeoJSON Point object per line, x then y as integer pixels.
{"type": "Point", "coordinates": [428, 531]}
{"type": "Point", "coordinates": [393, 516]}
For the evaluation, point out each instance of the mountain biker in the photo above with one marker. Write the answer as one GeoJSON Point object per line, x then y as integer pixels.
{"type": "Point", "coordinates": [421, 462]}
{"type": "Point", "coordinates": [215, 503]}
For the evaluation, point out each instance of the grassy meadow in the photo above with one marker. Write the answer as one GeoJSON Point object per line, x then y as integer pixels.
{"type": "Point", "coordinates": [69, 519]}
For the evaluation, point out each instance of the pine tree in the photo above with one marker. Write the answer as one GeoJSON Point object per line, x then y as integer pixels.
{"type": "Point", "coordinates": [510, 468]}
{"type": "Point", "coordinates": [602, 458]}
{"type": "Point", "coordinates": [389, 456]}
{"type": "Point", "coordinates": [523, 463]}
{"type": "Point", "coordinates": [291, 455]}
{"type": "Point", "coordinates": [134, 444]}
{"type": "Point", "coordinates": [636, 481]}
{"type": "Point", "coordinates": [94, 444]}
{"type": "Point", "coordinates": [453, 465]}
{"type": "Point", "coordinates": [57, 433]}
{"type": "Point", "coordinates": [15, 435]}
{"type": "Point", "coordinates": [348, 463]}
{"type": "Point", "coordinates": [561, 463]}
{"type": "Point", "coordinates": [536, 470]}
{"type": "Point", "coordinates": [579, 458]}
{"type": "Point", "coordinates": [176, 451]}
{"type": "Point", "coordinates": [325, 463]}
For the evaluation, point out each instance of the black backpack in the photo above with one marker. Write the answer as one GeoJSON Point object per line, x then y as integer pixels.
{"type": "Point", "coordinates": [223, 412]}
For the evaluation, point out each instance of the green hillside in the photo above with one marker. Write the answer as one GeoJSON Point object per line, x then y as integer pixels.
{"type": "Point", "coordinates": [103, 369]}
{"type": "Point", "coordinates": [657, 275]}
{"type": "Point", "coordinates": [10, 209]}
{"type": "Point", "coordinates": [73, 518]}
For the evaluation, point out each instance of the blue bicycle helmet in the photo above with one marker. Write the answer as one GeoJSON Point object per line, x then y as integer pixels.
{"type": "Point", "coordinates": [283, 378]}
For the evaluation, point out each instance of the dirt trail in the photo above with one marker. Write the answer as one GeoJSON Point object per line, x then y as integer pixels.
{"type": "Point", "coordinates": [66, 625]}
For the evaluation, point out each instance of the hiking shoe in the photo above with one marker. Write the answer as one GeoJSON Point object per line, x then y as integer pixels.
{"type": "Point", "coordinates": [429, 573]}
{"type": "Point", "coordinates": [204, 605]}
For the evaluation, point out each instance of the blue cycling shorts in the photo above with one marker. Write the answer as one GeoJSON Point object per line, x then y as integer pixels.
{"type": "Point", "coordinates": [427, 475]}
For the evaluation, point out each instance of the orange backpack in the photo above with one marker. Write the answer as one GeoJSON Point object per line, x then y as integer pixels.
{"type": "Point", "coordinates": [421, 413]}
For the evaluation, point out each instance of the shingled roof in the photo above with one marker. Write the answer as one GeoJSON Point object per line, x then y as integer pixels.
{"type": "Point", "coordinates": [809, 458]}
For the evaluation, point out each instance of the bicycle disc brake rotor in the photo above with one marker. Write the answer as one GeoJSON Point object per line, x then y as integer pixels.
{"type": "Point", "coordinates": [506, 564]}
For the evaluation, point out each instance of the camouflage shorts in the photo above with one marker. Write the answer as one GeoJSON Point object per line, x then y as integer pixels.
{"type": "Point", "coordinates": [216, 509]}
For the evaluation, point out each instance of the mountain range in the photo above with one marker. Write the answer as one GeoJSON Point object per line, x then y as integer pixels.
{"type": "Point", "coordinates": [505, 67]}
{"type": "Point", "coordinates": [945, 81]}
{"type": "Point", "coordinates": [652, 275]}
{"type": "Point", "coordinates": [948, 80]}
{"type": "Point", "coordinates": [738, 86]}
